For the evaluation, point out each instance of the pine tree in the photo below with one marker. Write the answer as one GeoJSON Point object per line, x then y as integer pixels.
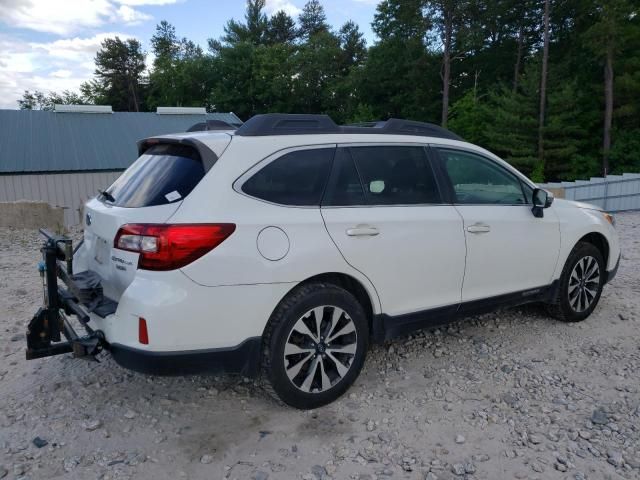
{"type": "Point", "coordinates": [281, 28]}
{"type": "Point", "coordinates": [312, 19]}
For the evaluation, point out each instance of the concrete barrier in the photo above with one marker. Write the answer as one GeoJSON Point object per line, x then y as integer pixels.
{"type": "Point", "coordinates": [32, 215]}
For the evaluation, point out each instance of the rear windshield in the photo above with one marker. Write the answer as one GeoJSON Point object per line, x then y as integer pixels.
{"type": "Point", "coordinates": [163, 174]}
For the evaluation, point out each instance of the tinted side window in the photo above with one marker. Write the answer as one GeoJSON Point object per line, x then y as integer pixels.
{"type": "Point", "coordinates": [297, 178]}
{"type": "Point", "coordinates": [477, 180]}
{"type": "Point", "coordinates": [396, 175]}
{"type": "Point", "coordinates": [163, 174]}
{"type": "Point", "coordinates": [344, 187]}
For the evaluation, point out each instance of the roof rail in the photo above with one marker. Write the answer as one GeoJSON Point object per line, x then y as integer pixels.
{"type": "Point", "coordinates": [211, 125]}
{"type": "Point", "coordinates": [304, 124]}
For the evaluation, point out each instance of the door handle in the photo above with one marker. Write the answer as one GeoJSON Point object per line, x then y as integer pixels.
{"type": "Point", "coordinates": [478, 228]}
{"type": "Point", "coordinates": [362, 231]}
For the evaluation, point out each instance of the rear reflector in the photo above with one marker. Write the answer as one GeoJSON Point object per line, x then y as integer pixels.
{"type": "Point", "coordinates": [143, 334]}
{"type": "Point", "coordinates": [168, 247]}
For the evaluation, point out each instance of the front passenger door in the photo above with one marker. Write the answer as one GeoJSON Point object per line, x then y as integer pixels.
{"type": "Point", "coordinates": [508, 249]}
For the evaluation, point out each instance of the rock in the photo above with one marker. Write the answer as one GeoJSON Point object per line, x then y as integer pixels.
{"type": "Point", "coordinates": [206, 459]}
{"type": "Point", "coordinates": [318, 471]}
{"type": "Point", "coordinates": [481, 457]}
{"type": "Point", "coordinates": [460, 439]}
{"type": "Point", "coordinates": [458, 469]}
{"type": "Point", "coordinates": [385, 437]}
{"type": "Point", "coordinates": [560, 467]}
{"type": "Point", "coordinates": [130, 414]}
{"type": "Point", "coordinates": [615, 458]}
{"type": "Point", "coordinates": [535, 439]}
{"type": "Point", "coordinates": [599, 417]}
{"type": "Point", "coordinates": [91, 425]}
{"type": "Point", "coordinates": [586, 434]}
{"type": "Point", "coordinates": [509, 399]}
{"type": "Point", "coordinates": [40, 442]}
{"type": "Point", "coordinates": [70, 463]}
{"type": "Point", "coordinates": [469, 468]}
{"type": "Point", "coordinates": [3, 471]}
{"type": "Point", "coordinates": [260, 475]}
{"type": "Point", "coordinates": [431, 476]}
{"type": "Point", "coordinates": [19, 469]}
{"type": "Point", "coordinates": [17, 338]}
{"type": "Point", "coordinates": [536, 467]}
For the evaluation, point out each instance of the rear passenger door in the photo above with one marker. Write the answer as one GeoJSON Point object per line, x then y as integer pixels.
{"type": "Point", "coordinates": [383, 209]}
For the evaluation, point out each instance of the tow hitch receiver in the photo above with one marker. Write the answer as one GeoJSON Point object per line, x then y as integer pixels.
{"type": "Point", "coordinates": [49, 324]}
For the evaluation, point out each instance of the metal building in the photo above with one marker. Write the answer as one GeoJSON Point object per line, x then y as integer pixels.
{"type": "Point", "coordinates": [63, 157]}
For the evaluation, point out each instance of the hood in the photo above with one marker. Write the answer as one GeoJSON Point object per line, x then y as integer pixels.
{"type": "Point", "coordinates": [564, 203]}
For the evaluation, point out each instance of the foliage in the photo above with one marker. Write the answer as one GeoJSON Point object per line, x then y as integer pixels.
{"type": "Point", "coordinates": [119, 79]}
{"type": "Point", "coordinates": [38, 100]}
{"type": "Point", "coordinates": [480, 57]}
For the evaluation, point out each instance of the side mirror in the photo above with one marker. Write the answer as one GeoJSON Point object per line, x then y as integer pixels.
{"type": "Point", "coordinates": [541, 200]}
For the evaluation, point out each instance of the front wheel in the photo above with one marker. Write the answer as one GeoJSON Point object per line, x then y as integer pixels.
{"type": "Point", "coordinates": [315, 345]}
{"type": "Point", "coordinates": [580, 284]}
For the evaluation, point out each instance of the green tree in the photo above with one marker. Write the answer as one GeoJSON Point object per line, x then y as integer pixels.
{"type": "Point", "coordinates": [312, 19]}
{"type": "Point", "coordinates": [401, 19]}
{"type": "Point", "coordinates": [37, 100]}
{"type": "Point", "coordinates": [254, 28]}
{"type": "Point", "coordinates": [353, 44]}
{"type": "Point", "coordinates": [119, 76]}
{"type": "Point", "coordinates": [606, 38]}
{"type": "Point", "coordinates": [281, 28]}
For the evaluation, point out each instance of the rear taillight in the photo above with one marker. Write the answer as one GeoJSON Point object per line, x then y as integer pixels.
{"type": "Point", "coordinates": [167, 247]}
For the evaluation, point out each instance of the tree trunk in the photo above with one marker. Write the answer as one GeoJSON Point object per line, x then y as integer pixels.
{"type": "Point", "coordinates": [543, 90]}
{"type": "Point", "coordinates": [446, 67]}
{"type": "Point", "coordinates": [608, 109]}
{"type": "Point", "coordinates": [516, 75]}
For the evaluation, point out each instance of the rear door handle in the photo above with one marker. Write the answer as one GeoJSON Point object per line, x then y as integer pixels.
{"type": "Point", "coordinates": [362, 231]}
{"type": "Point", "coordinates": [478, 228]}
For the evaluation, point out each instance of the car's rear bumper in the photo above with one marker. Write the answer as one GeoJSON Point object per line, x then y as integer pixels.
{"type": "Point", "coordinates": [243, 359]}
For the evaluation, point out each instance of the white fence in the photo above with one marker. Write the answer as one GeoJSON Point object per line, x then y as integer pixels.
{"type": "Point", "coordinates": [615, 193]}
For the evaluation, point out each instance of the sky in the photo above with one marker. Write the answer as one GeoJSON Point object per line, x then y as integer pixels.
{"type": "Point", "coordinates": [49, 45]}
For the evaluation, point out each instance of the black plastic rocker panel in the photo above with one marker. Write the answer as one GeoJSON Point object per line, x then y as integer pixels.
{"type": "Point", "coordinates": [386, 327]}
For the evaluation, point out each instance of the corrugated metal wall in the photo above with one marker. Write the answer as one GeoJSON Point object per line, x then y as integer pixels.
{"type": "Point", "coordinates": [67, 190]}
{"type": "Point", "coordinates": [615, 193]}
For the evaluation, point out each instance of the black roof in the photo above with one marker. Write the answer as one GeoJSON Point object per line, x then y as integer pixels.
{"type": "Point", "coordinates": [303, 124]}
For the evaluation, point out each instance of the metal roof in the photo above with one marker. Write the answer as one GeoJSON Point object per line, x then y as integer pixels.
{"type": "Point", "coordinates": [44, 141]}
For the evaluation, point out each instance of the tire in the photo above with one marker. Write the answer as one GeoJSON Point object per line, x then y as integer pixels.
{"type": "Point", "coordinates": [334, 370]}
{"type": "Point", "coordinates": [575, 299]}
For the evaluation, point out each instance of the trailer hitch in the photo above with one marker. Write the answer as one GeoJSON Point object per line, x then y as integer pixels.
{"type": "Point", "coordinates": [50, 322]}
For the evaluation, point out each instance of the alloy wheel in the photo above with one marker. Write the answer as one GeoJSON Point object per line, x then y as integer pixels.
{"type": "Point", "coordinates": [584, 283]}
{"type": "Point", "coordinates": [320, 349]}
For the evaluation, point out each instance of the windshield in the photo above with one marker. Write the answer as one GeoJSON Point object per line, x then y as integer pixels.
{"type": "Point", "coordinates": [164, 174]}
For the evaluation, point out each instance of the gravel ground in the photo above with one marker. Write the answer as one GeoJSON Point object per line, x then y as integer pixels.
{"type": "Point", "coordinates": [512, 394]}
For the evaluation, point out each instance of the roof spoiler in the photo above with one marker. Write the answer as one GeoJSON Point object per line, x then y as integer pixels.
{"type": "Point", "coordinates": [208, 156]}
{"type": "Point", "coordinates": [212, 125]}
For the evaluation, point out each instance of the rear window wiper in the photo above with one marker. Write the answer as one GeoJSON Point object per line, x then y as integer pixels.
{"type": "Point", "coordinates": [107, 196]}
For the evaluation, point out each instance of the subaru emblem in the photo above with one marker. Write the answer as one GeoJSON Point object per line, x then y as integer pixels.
{"type": "Point", "coordinates": [88, 218]}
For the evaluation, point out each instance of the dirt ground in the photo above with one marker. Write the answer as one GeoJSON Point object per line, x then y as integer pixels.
{"type": "Point", "coordinates": [512, 394]}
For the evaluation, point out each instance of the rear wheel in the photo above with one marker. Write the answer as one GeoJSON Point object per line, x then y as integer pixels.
{"type": "Point", "coordinates": [315, 345]}
{"type": "Point", "coordinates": [580, 284]}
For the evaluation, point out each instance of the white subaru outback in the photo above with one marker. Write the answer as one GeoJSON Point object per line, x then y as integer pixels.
{"type": "Point", "coordinates": [284, 247]}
